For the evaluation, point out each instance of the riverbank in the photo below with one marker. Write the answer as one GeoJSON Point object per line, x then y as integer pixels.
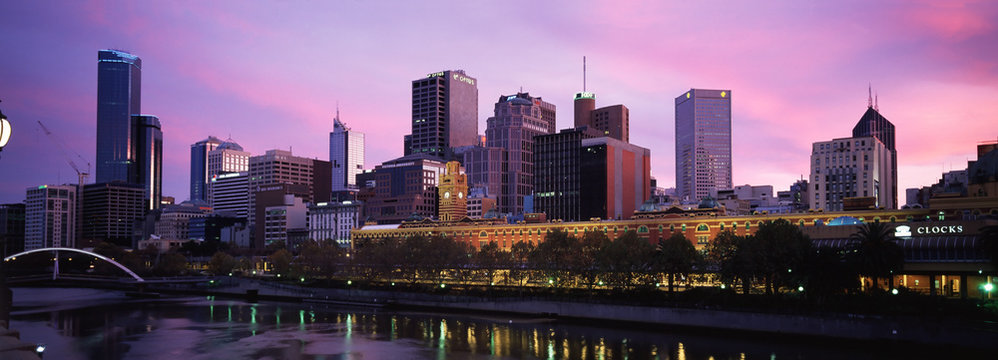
{"type": "Point", "coordinates": [933, 330]}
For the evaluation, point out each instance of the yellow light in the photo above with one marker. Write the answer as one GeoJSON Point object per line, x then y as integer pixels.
{"type": "Point", "coordinates": [687, 95]}
{"type": "Point", "coordinates": [724, 93]}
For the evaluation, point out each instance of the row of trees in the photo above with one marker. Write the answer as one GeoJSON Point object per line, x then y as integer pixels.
{"type": "Point", "coordinates": [777, 257]}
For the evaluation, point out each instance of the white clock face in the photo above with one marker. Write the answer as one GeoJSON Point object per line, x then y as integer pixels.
{"type": "Point", "coordinates": [447, 195]}
{"type": "Point", "coordinates": [460, 195]}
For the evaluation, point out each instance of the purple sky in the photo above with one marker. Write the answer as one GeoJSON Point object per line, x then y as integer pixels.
{"type": "Point", "coordinates": [271, 73]}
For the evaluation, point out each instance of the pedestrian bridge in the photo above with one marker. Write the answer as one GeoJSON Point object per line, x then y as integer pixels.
{"type": "Point", "coordinates": [56, 250]}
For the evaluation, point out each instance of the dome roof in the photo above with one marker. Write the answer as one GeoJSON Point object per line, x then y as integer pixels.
{"type": "Point", "coordinates": [229, 145]}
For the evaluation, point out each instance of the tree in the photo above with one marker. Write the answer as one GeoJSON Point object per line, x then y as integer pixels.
{"type": "Point", "coordinates": [519, 262]}
{"type": "Point", "coordinates": [626, 259]}
{"type": "Point", "coordinates": [782, 247]}
{"type": "Point", "coordinates": [555, 255]}
{"type": "Point", "coordinates": [318, 258]}
{"type": "Point", "coordinates": [734, 258]}
{"type": "Point", "coordinates": [281, 262]}
{"type": "Point", "coordinates": [489, 259]}
{"type": "Point", "coordinates": [221, 263]}
{"type": "Point", "coordinates": [825, 273]}
{"type": "Point", "coordinates": [675, 255]}
{"type": "Point", "coordinates": [170, 264]}
{"type": "Point", "coordinates": [876, 253]}
{"type": "Point", "coordinates": [128, 259]}
{"type": "Point", "coordinates": [587, 266]}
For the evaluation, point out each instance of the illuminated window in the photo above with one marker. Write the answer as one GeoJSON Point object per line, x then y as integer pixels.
{"type": "Point", "coordinates": [703, 227]}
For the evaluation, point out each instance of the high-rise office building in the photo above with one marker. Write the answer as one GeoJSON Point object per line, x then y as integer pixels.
{"type": "Point", "coordinates": [557, 174]}
{"type": "Point", "coordinates": [281, 167]}
{"type": "Point", "coordinates": [109, 213]}
{"type": "Point", "coordinates": [119, 80]}
{"type": "Point", "coordinates": [703, 143]}
{"type": "Point", "coordinates": [230, 194]}
{"type": "Point", "coordinates": [613, 121]}
{"type": "Point", "coordinates": [516, 121]}
{"type": "Point", "coordinates": [147, 138]}
{"type": "Point", "coordinates": [199, 167]}
{"type": "Point", "coordinates": [876, 125]}
{"type": "Point", "coordinates": [615, 178]}
{"type": "Point", "coordinates": [11, 229]}
{"type": "Point", "coordinates": [227, 158]}
{"type": "Point", "coordinates": [444, 114]}
{"type": "Point", "coordinates": [346, 153]}
{"type": "Point", "coordinates": [856, 167]}
{"type": "Point", "coordinates": [403, 188]}
{"type": "Point", "coordinates": [50, 217]}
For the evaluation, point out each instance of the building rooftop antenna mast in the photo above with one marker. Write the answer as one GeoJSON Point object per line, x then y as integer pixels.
{"type": "Point", "coordinates": [583, 73]}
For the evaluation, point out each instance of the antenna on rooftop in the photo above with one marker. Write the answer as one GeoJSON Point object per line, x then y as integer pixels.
{"type": "Point", "coordinates": [583, 73]}
{"type": "Point", "coordinates": [869, 100]}
{"type": "Point", "coordinates": [876, 102]}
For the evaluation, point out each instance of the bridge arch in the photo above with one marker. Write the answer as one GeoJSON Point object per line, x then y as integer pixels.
{"type": "Point", "coordinates": [96, 255]}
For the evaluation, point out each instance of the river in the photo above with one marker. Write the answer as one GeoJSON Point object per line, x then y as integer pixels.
{"type": "Point", "coordinates": [103, 324]}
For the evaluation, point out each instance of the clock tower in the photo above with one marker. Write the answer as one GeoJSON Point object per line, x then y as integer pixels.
{"type": "Point", "coordinates": [453, 193]}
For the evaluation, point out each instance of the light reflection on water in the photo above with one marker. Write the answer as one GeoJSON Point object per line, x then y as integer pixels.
{"type": "Point", "coordinates": [110, 326]}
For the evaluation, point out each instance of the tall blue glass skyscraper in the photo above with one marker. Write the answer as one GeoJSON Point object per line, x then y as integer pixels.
{"type": "Point", "coordinates": [149, 157]}
{"type": "Point", "coordinates": [703, 143]}
{"type": "Point", "coordinates": [119, 79]}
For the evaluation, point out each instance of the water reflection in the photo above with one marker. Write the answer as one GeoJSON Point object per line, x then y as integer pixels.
{"type": "Point", "coordinates": [116, 327]}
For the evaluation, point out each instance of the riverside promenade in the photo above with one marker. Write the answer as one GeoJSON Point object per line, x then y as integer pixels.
{"type": "Point", "coordinates": [929, 330]}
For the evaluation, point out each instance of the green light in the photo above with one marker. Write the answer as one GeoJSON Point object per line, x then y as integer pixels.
{"type": "Point", "coordinates": [350, 282]}
{"type": "Point", "coordinates": [722, 286]}
{"type": "Point", "coordinates": [800, 288]}
{"type": "Point", "coordinates": [211, 282]}
{"type": "Point", "coordinates": [601, 283]}
{"type": "Point", "coordinates": [443, 285]}
{"type": "Point", "coordinates": [551, 281]}
{"type": "Point", "coordinates": [230, 274]}
{"type": "Point", "coordinates": [302, 279]}
{"type": "Point", "coordinates": [393, 283]}
{"type": "Point", "coordinates": [42, 186]}
{"type": "Point", "coordinates": [894, 291]}
{"type": "Point", "coordinates": [988, 287]}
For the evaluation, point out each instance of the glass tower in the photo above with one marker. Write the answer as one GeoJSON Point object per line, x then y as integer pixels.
{"type": "Point", "coordinates": [148, 166]}
{"type": "Point", "coordinates": [199, 167]}
{"type": "Point", "coordinates": [119, 78]}
{"type": "Point", "coordinates": [703, 143]}
{"type": "Point", "coordinates": [346, 153]}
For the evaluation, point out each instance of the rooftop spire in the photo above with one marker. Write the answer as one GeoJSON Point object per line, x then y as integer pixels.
{"type": "Point", "coordinates": [583, 73]}
{"type": "Point", "coordinates": [869, 100]}
{"type": "Point", "coordinates": [876, 101]}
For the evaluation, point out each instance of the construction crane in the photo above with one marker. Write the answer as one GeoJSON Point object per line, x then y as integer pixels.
{"type": "Point", "coordinates": [65, 154]}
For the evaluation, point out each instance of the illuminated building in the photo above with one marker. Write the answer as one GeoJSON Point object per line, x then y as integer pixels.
{"type": "Point", "coordinates": [613, 121]}
{"type": "Point", "coordinates": [452, 192]}
{"type": "Point", "coordinates": [227, 158]}
{"type": "Point", "coordinates": [346, 155]}
{"type": "Point", "coordinates": [199, 167]}
{"type": "Point", "coordinates": [333, 221]}
{"type": "Point", "coordinates": [148, 147]}
{"type": "Point", "coordinates": [50, 217]}
{"type": "Point", "coordinates": [119, 80]}
{"type": "Point", "coordinates": [109, 213]}
{"type": "Point", "coordinates": [403, 188]}
{"type": "Point", "coordinates": [516, 121]}
{"type": "Point", "coordinates": [280, 167]}
{"type": "Point", "coordinates": [703, 143]}
{"type": "Point", "coordinates": [283, 218]}
{"type": "Point", "coordinates": [557, 174]}
{"type": "Point", "coordinates": [174, 220]}
{"type": "Point", "coordinates": [857, 167]}
{"type": "Point", "coordinates": [444, 114]}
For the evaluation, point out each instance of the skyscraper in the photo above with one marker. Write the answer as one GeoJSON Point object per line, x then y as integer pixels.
{"type": "Point", "coordinates": [703, 143]}
{"type": "Point", "coordinates": [346, 153]}
{"type": "Point", "coordinates": [199, 167]}
{"type": "Point", "coordinates": [444, 114]}
{"type": "Point", "coordinates": [119, 79]}
{"type": "Point", "coordinates": [50, 217]}
{"type": "Point", "coordinates": [227, 158]}
{"type": "Point", "coordinates": [516, 121]}
{"type": "Point", "coordinates": [876, 125]}
{"type": "Point", "coordinates": [856, 167]}
{"type": "Point", "coordinates": [147, 143]}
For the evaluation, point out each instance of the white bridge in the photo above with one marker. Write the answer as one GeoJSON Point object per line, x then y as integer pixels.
{"type": "Point", "coordinates": [56, 250]}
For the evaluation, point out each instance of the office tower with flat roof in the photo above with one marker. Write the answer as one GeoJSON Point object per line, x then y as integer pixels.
{"type": "Point", "coordinates": [109, 213]}
{"type": "Point", "coordinates": [333, 221]}
{"type": "Point", "coordinates": [444, 114]}
{"type": "Point", "coordinates": [230, 194]}
{"type": "Point", "coordinates": [199, 167]}
{"type": "Point", "coordinates": [50, 217]}
{"type": "Point", "coordinates": [703, 143]}
{"type": "Point", "coordinates": [516, 121]}
{"type": "Point", "coordinates": [277, 167]}
{"type": "Point", "coordinates": [227, 158]}
{"type": "Point", "coordinates": [346, 155]}
{"type": "Point", "coordinates": [404, 188]}
{"type": "Point", "coordinates": [876, 125]}
{"type": "Point", "coordinates": [856, 167]}
{"type": "Point", "coordinates": [613, 121]}
{"type": "Point", "coordinates": [148, 145]}
{"type": "Point", "coordinates": [557, 172]}
{"type": "Point", "coordinates": [119, 80]}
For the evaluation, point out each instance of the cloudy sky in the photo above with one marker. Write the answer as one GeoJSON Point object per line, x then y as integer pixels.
{"type": "Point", "coordinates": [271, 73]}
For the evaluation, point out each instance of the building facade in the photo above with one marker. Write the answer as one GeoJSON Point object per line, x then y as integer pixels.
{"type": "Point", "coordinates": [403, 188]}
{"type": "Point", "coordinates": [227, 158]}
{"type": "Point", "coordinates": [557, 173]}
{"type": "Point", "coordinates": [281, 167]}
{"type": "Point", "coordinates": [109, 213]}
{"type": "Point", "coordinates": [444, 114]}
{"type": "Point", "coordinates": [876, 125]}
{"type": "Point", "coordinates": [333, 221]}
{"type": "Point", "coordinates": [615, 178]}
{"type": "Point", "coordinates": [346, 155]}
{"type": "Point", "coordinates": [174, 221]}
{"type": "Point", "coordinates": [119, 93]}
{"type": "Point", "coordinates": [516, 121]}
{"type": "Point", "coordinates": [703, 143]}
{"type": "Point", "coordinates": [11, 229]}
{"type": "Point", "coordinates": [857, 167]}
{"type": "Point", "coordinates": [230, 194]}
{"type": "Point", "coordinates": [452, 193]}
{"type": "Point", "coordinates": [50, 217]}
{"type": "Point", "coordinates": [280, 219]}
{"type": "Point", "coordinates": [199, 167]}
{"type": "Point", "coordinates": [148, 145]}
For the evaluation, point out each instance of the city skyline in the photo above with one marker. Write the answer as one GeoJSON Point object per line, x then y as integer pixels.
{"type": "Point", "coordinates": [931, 63]}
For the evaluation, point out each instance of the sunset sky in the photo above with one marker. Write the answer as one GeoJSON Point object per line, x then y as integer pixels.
{"type": "Point", "coordinates": [270, 74]}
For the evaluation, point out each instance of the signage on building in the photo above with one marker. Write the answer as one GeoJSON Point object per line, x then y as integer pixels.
{"type": "Point", "coordinates": [465, 79]}
{"type": "Point", "coordinates": [903, 231]}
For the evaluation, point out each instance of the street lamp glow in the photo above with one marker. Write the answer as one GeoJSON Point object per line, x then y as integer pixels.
{"type": "Point", "coordinates": [989, 287]}
{"type": "Point", "coordinates": [4, 131]}
{"type": "Point", "coordinates": [894, 291]}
